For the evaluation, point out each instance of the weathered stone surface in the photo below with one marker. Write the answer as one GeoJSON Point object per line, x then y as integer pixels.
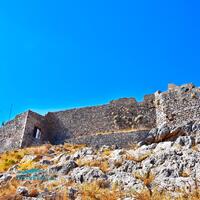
{"type": "Point", "coordinates": [163, 133]}
{"type": "Point", "coordinates": [4, 178]}
{"type": "Point", "coordinates": [63, 169]}
{"type": "Point", "coordinates": [166, 111]}
{"type": "Point", "coordinates": [86, 174]}
{"type": "Point", "coordinates": [127, 181]}
{"type": "Point", "coordinates": [72, 193]}
{"type": "Point", "coordinates": [23, 191]}
{"type": "Point", "coordinates": [83, 152]}
{"type": "Point", "coordinates": [120, 139]}
{"type": "Point", "coordinates": [186, 141]}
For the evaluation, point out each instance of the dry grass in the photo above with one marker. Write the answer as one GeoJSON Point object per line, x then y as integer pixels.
{"type": "Point", "coordinates": [95, 191]}
{"type": "Point", "coordinates": [154, 195]}
{"type": "Point", "coordinates": [128, 130]}
{"type": "Point", "coordinates": [195, 148]}
{"type": "Point", "coordinates": [7, 191]}
{"type": "Point", "coordinates": [147, 178]}
{"type": "Point", "coordinates": [162, 195]}
{"type": "Point", "coordinates": [185, 173]}
{"type": "Point", "coordinates": [8, 159]}
{"type": "Point", "coordinates": [72, 148]}
{"type": "Point", "coordinates": [102, 164]}
{"type": "Point", "coordinates": [139, 159]}
{"type": "Point", "coordinates": [118, 163]}
{"type": "Point", "coordinates": [26, 165]}
{"type": "Point", "coordinates": [106, 152]}
{"type": "Point", "coordinates": [39, 150]}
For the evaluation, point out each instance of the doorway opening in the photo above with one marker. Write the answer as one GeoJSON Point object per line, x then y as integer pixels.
{"type": "Point", "coordinates": [37, 133]}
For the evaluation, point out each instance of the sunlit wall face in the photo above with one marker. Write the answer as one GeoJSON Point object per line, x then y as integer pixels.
{"type": "Point", "coordinates": [63, 54]}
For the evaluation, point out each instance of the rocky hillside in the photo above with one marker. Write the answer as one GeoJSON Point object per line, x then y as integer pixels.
{"type": "Point", "coordinates": [165, 165]}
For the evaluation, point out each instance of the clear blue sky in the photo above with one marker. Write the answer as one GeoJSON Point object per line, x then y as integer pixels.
{"type": "Point", "coordinates": [63, 54]}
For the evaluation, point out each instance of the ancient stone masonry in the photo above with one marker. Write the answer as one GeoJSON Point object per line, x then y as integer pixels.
{"type": "Point", "coordinates": [20, 131]}
{"type": "Point", "coordinates": [180, 104]}
{"type": "Point", "coordinates": [122, 114]}
{"type": "Point", "coordinates": [11, 134]}
{"type": "Point", "coordinates": [35, 123]}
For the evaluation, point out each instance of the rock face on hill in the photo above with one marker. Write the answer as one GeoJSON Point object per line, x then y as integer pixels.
{"type": "Point", "coordinates": [165, 163]}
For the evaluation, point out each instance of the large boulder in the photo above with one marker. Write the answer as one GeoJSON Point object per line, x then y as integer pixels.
{"type": "Point", "coordinates": [164, 132]}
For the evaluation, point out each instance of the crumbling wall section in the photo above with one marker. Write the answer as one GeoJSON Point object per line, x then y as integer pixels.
{"type": "Point", "coordinates": [11, 134]}
{"type": "Point", "coordinates": [178, 105]}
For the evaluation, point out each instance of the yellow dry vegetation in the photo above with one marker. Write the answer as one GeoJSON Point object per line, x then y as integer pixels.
{"type": "Point", "coordinates": [8, 190]}
{"type": "Point", "coordinates": [195, 148]}
{"type": "Point", "coordinates": [185, 173]}
{"type": "Point", "coordinates": [95, 191]}
{"type": "Point", "coordinates": [26, 165]}
{"type": "Point", "coordinates": [10, 158]}
{"type": "Point", "coordinates": [39, 150]}
{"type": "Point", "coordinates": [147, 178]}
{"type": "Point", "coordinates": [127, 130]}
{"type": "Point", "coordinates": [102, 164]}
{"type": "Point", "coordinates": [72, 148]}
{"type": "Point", "coordinates": [106, 152]}
{"type": "Point", "coordinates": [162, 195]}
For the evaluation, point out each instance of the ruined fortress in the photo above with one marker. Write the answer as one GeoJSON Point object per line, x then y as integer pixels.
{"type": "Point", "coordinates": [179, 104]}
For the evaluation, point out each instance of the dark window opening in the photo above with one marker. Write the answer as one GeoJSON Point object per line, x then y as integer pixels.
{"type": "Point", "coordinates": [37, 133]}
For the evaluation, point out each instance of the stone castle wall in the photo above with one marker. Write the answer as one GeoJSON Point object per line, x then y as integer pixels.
{"type": "Point", "coordinates": [11, 134]}
{"type": "Point", "coordinates": [122, 114]}
{"type": "Point", "coordinates": [33, 121]}
{"type": "Point", "coordinates": [122, 140]}
{"type": "Point", "coordinates": [19, 132]}
{"type": "Point", "coordinates": [180, 104]}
